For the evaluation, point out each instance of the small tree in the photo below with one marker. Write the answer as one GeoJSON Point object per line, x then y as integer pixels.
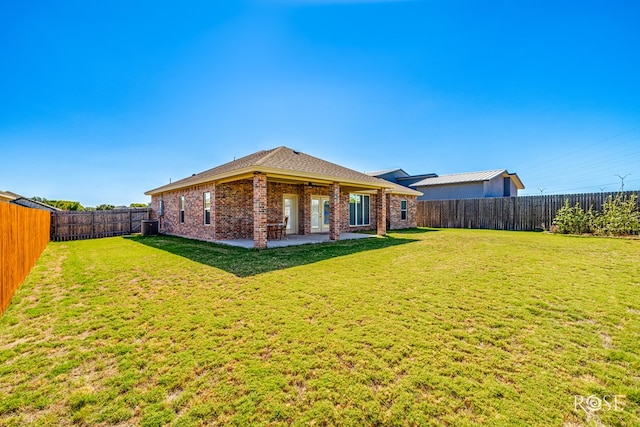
{"type": "Point", "coordinates": [66, 205]}
{"type": "Point", "coordinates": [138, 205]}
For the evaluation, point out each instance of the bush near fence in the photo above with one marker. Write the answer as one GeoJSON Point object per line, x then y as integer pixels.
{"type": "Point", "coordinates": [24, 233]}
{"type": "Point", "coordinates": [619, 217]}
{"type": "Point", "coordinates": [523, 213]}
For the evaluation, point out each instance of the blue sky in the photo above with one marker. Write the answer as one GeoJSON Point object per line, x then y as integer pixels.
{"type": "Point", "coordinates": [101, 101]}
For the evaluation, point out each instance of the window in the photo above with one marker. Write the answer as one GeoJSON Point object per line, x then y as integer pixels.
{"type": "Point", "coordinates": [507, 187]}
{"type": "Point", "coordinates": [181, 209]}
{"type": "Point", "coordinates": [207, 208]}
{"type": "Point", "coordinates": [358, 209]}
{"type": "Point", "coordinates": [403, 210]}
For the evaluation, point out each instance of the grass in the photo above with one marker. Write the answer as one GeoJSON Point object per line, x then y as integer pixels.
{"type": "Point", "coordinates": [454, 327]}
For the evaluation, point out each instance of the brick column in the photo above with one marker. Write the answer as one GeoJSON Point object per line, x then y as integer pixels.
{"type": "Point", "coordinates": [306, 210]}
{"type": "Point", "coordinates": [214, 224]}
{"type": "Point", "coordinates": [381, 211]}
{"type": "Point", "coordinates": [259, 211]}
{"type": "Point", "coordinates": [334, 211]}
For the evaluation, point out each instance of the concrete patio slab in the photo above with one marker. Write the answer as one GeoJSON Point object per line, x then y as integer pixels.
{"type": "Point", "coordinates": [294, 239]}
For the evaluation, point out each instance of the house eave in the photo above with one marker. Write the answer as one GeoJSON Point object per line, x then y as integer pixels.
{"type": "Point", "coordinates": [516, 180]}
{"type": "Point", "coordinates": [274, 173]}
{"type": "Point", "coordinates": [407, 192]}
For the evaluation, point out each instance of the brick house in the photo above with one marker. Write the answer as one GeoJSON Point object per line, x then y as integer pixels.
{"type": "Point", "coordinates": [238, 199]}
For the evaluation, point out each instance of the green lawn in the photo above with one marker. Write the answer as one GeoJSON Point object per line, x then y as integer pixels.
{"type": "Point", "coordinates": [446, 327]}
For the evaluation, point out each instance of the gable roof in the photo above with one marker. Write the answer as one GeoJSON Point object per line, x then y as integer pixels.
{"type": "Point", "coordinates": [417, 177]}
{"type": "Point", "coordinates": [284, 162]}
{"type": "Point", "coordinates": [467, 177]}
{"type": "Point", "coordinates": [7, 196]}
{"type": "Point", "coordinates": [29, 203]}
{"type": "Point", "coordinates": [387, 171]}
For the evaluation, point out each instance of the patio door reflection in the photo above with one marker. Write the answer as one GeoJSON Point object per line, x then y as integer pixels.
{"type": "Point", "coordinates": [319, 214]}
{"type": "Point", "coordinates": [290, 210]}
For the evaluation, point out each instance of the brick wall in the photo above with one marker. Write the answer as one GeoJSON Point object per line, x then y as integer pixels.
{"type": "Point", "coordinates": [232, 210]}
{"type": "Point", "coordinates": [275, 191]}
{"type": "Point", "coordinates": [193, 214]}
{"type": "Point", "coordinates": [394, 217]}
{"type": "Point", "coordinates": [344, 214]}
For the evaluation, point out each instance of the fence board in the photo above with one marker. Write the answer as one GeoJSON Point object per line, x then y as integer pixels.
{"type": "Point", "coordinates": [526, 213]}
{"type": "Point", "coordinates": [73, 225]}
{"type": "Point", "coordinates": [24, 233]}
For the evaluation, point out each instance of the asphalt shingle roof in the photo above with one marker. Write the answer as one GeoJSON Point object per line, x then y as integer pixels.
{"type": "Point", "coordinates": [286, 161]}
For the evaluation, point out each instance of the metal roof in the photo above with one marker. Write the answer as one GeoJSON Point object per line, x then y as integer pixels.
{"type": "Point", "coordinates": [457, 178]}
{"type": "Point", "coordinates": [29, 203]}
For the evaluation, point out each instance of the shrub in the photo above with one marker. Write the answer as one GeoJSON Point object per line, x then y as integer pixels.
{"type": "Point", "coordinates": [571, 219]}
{"type": "Point", "coordinates": [619, 216]}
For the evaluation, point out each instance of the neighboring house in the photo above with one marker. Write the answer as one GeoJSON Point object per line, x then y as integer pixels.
{"type": "Point", "coordinates": [8, 196]}
{"type": "Point", "coordinates": [399, 176]}
{"type": "Point", "coordinates": [23, 201]}
{"type": "Point", "coordinates": [16, 199]}
{"type": "Point", "coordinates": [238, 199]}
{"type": "Point", "coordinates": [469, 185]}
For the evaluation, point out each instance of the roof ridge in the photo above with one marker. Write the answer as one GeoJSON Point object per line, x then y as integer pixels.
{"type": "Point", "coordinates": [467, 173]}
{"type": "Point", "coordinates": [269, 154]}
{"type": "Point", "coordinates": [383, 171]}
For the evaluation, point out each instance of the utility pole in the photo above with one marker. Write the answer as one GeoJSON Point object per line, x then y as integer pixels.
{"type": "Point", "coordinates": [622, 181]}
{"type": "Point", "coordinates": [541, 190]}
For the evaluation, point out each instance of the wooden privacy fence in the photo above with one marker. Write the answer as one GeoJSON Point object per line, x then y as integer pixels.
{"type": "Point", "coordinates": [526, 213]}
{"type": "Point", "coordinates": [72, 225]}
{"type": "Point", "coordinates": [24, 233]}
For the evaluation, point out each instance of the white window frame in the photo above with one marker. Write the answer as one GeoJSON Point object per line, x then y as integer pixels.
{"type": "Point", "coordinates": [292, 225]}
{"type": "Point", "coordinates": [181, 209]}
{"type": "Point", "coordinates": [206, 209]}
{"type": "Point", "coordinates": [404, 211]}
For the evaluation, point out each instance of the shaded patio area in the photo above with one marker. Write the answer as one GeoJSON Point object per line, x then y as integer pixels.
{"type": "Point", "coordinates": [295, 239]}
{"type": "Point", "coordinates": [243, 263]}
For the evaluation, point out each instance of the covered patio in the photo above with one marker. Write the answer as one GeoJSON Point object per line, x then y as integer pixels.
{"type": "Point", "coordinates": [294, 239]}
